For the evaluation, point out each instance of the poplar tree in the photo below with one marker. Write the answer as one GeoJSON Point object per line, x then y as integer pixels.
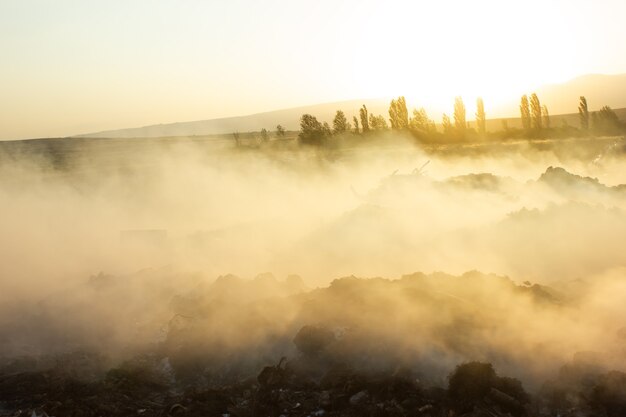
{"type": "Point", "coordinates": [378, 122]}
{"type": "Point", "coordinates": [445, 123]}
{"type": "Point", "coordinates": [420, 121]}
{"type": "Point", "coordinates": [583, 114]}
{"type": "Point", "coordinates": [481, 120]}
{"type": "Point", "coordinates": [364, 119]}
{"type": "Point", "coordinates": [398, 114]}
{"type": "Point", "coordinates": [524, 109]}
{"type": "Point", "coordinates": [459, 115]}
{"type": "Point", "coordinates": [356, 124]}
{"type": "Point", "coordinates": [535, 109]}
{"type": "Point", "coordinates": [546, 116]}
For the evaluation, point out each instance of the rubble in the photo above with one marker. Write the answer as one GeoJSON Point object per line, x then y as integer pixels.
{"type": "Point", "coordinates": [331, 358]}
{"type": "Point", "coordinates": [474, 389]}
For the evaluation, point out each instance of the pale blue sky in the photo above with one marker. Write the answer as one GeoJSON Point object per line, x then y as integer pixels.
{"type": "Point", "coordinates": [71, 66]}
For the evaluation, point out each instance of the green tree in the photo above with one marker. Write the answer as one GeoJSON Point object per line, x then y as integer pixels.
{"type": "Point", "coordinates": [364, 119]}
{"type": "Point", "coordinates": [280, 131]}
{"type": "Point", "coordinates": [446, 124]}
{"type": "Point", "coordinates": [312, 132]}
{"type": "Point", "coordinates": [459, 115]}
{"type": "Point", "coordinates": [546, 116]}
{"type": "Point", "coordinates": [524, 109]}
{"type": "Point", "coordinates": [356, 124]}
{"type": "Point", "coordinates": [398, 114]}
{"type": "Point", "coordinates": [340, 123]}
{"type": "Point", "coordinates": [583, 114]}
{"type": "Point", "coordinates": [481, 120]}
{"type": "Point", "coordinates": [535, 110]}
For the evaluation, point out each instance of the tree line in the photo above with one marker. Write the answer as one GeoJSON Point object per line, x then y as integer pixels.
{"type": "Point", "coordinates": [535, 123]}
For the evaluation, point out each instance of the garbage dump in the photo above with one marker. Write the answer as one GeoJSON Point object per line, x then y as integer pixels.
{"type": "Point", "coordinates": [332, 352]}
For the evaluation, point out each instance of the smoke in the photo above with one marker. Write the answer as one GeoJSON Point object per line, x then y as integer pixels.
{"type": "Point", "coordinates": [105, 241]}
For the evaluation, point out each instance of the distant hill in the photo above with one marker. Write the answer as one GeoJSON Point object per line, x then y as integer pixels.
{"type": "Point", "coordinates": [563, 99]}
{"type": "Point", "coordinates": [600, 90]}
{"type": "Point", "coordinates": [288, 118]}
{"type": "Point", "coordinates": [558, 120]}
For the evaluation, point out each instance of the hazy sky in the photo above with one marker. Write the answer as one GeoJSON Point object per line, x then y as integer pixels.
{"type": "Point", "coordinates": [76, 66]}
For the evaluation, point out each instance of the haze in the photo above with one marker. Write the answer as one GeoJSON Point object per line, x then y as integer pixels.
{"type": "Point", "coordinates": [431, 224]}
{"type": "Point", "coordinates": [97, 231]}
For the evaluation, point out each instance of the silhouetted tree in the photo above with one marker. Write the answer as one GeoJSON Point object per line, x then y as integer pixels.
{"type": "Point", "coordinates": [583, 114]}
{"type": "Point", "coordinates": [326, 129]}
{"type": "Point", "coordinates": [446, 124]}
{"type": "Point", "coordinates": [524, 109]}
{"type": "Point", "coordinates": [378, 122]}
{"type": "Point", "coordinates": [607, 113]}
{"type": "Point", "coordinates": [459, 115]}
{"type": "Point", "coordinates": [481, 120]}
{"type": "Point", "coordinates": [398, 114]}
{"type": "Point", "coordinates": [340, 123]}
{"type": "Point", "coordinates": [264, 135]}
{"type": "Point", "coordinates": [280, 131]}
{"type": "Point", "coordinates": [364, 119]}
{"type": "Point", "coordinates": [535, 109]}
{"type": "Point", "coordinates": [237, 138]}
{"type": "Point", "coordinates": [420, 122]}
{"type": "Point", "coordinates": [546, 116]}
{"type": "Point", "coordinates": [312, 132]}
{"type": "Point", "coordinates": [356, 124]}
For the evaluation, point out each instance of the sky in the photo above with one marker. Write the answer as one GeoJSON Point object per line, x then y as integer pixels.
{"type": "Point", "coordinates": [78, 66]}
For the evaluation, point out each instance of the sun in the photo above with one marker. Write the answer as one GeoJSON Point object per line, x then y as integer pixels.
{"type": "Point", "coordinates": [431, 55]}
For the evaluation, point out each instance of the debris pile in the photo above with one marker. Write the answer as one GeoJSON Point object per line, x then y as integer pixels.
{"type": "Point", "coordinates": [422, 345]}
{"type": "Point", "coordinates": [474, 389]}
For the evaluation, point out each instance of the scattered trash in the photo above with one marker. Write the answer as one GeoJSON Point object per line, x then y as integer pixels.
{"type": "Point", "coordinates": [322, 374]}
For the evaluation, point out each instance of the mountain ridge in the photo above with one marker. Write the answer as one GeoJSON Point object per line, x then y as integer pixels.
{"type": "Point", "coordinates": [561, 99]}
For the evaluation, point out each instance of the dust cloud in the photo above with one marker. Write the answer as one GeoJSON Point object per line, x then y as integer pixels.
{"type": "Point", "coordinates": [120, 246]}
